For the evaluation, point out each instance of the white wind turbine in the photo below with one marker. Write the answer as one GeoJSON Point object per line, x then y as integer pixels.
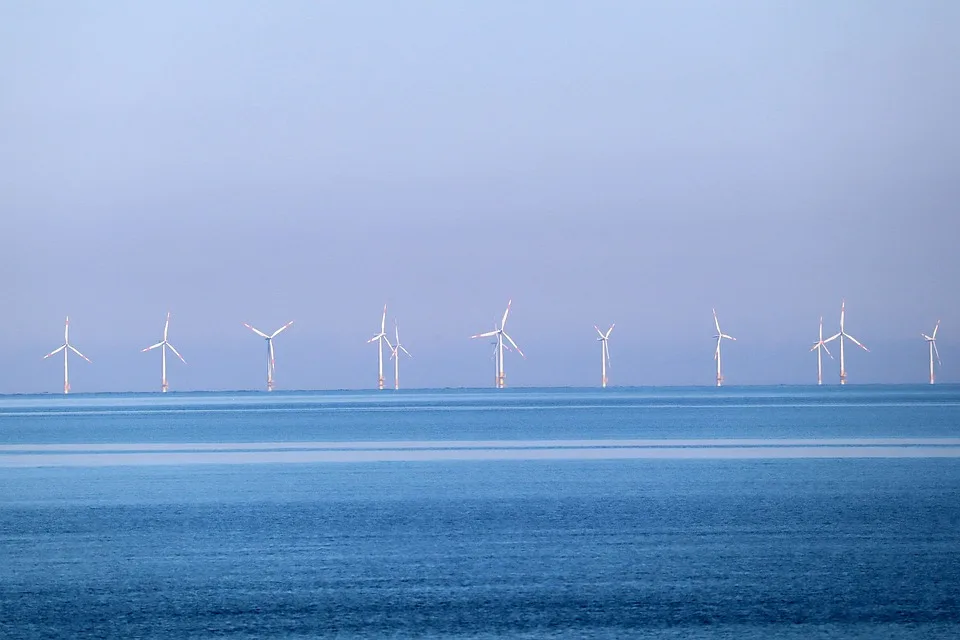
{"type": "Point", "coordinates": [395, 350]}
{"type": "Point", "coordinates": [932, 341]}
{"type": "Point", "coordinates": [380, 338]}
{"type": "Point", "coordinates": [163, 345]}
{"type": "Point", "coordinates": [500, 334]}
{"type": "Point", "coordinates": [843, 334]}
{"type": "Point", "coordinates": [820, 346]}
{"type": "Point", "coordinates": [716, 355]}
{"type": "Point", "coordinates": [604, 353]}
{"type": "Point", "coordinates": [66, 347]}
{"type": "Point", "coordinates": [271, 361]}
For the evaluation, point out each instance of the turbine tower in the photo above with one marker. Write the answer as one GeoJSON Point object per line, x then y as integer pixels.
{"type": "Point", "coordinates": [380, 338]}
{"type": "Point", "coordinates": [932, 341]}
{"type": "Point", "coordinates": [163, 345]}
{"type": "Point", "coordinates": [716, 355]}
{"type": "Point", "coordinates": [604, 353]}
{"type": "Point", "coordinates": [821, 346]}
{"type": "Point", "coordinates": [843, 334]}
{"type": "Point", "coordinates": [271, 361]}
{"type": "Point", "coordinates": [500, 334]}
{"type": "Point", "coordinates": [66, 347]}
{"type": "Point", "coordinates": [395, 355]}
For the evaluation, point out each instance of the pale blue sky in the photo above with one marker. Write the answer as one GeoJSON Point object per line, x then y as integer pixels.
{"type": "Point", "coordinates": [637, 162]}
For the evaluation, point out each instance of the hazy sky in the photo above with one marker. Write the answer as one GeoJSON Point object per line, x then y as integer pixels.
{"type": "Point", "coordinates": [636, 162]}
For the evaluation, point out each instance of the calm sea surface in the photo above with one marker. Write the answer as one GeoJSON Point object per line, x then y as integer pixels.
{"type": "Point", "coordinates": [781, 512]}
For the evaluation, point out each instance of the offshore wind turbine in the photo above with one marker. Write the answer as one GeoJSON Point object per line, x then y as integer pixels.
{"type": "Point", "coordinates": [716, 355]}
{"type": "Point", "coordinates": [821, 345]}
{"type": "Point", "coordinates": [380, 338]}
{"type": "Point", "coordinates": [163, 345]}
{"type": "Point", "coordinates": [843, 334]}
{"type": "Point", "coordinates": [604, 353]}
{"type": "Point", "coordinates": [932, 341]}
{"type": "Point", "coordinates": [271, 361]}
{"type": "Point", "coordinates": [395, 350]}
{"type": "Point", "coordinates": [500, 334]}
{"type": "Point", "coordinates": [66, 347]}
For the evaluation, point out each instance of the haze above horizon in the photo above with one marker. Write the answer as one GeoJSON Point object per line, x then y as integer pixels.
{"type": "Point", "coordinates": [637, 163]}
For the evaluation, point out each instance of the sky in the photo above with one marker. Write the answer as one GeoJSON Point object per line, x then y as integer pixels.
{"type": "Point", "coordinates": [595, 162]}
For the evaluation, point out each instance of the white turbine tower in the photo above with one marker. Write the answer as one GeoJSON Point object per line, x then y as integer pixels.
{"type": "Point", "coordinates": [163, 345]}
{"type": "Point", "coordinates": [500, 334]}
{"type": "Point", "coordinates": [716, 355]}
{"type": "Point", "coordinates": [820, 346]}
{"type": "Point", "coordinates": [66, 347]}
{"type": "Point", "coordinates": [380, 338]}
{"type": "Point", "coordinates": [604, 353]}
{"type": "Point", "coordinates": [271, 361]}
{"type": "Point", "coordinates": [843, 334]}
{"type": "Point", "coordinates": [395, 355]}
{"type": "Point", "coordinates": [932, 341]}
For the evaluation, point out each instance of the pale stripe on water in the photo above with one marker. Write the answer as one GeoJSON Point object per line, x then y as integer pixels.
{"type": "Point", "coordinates": [120, 454]}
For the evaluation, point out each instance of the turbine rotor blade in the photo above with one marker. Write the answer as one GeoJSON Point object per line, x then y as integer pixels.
{"type": "Point", "coordinates": [152, 347]}
{"type": "Point", "coordinates": [936, 351]}
{"type": "Point", "coordinates": [280, 330]}
{"type": "Point", "coordinates": [506, 311]}
{"type": "Point", "coordinates": [55, 351]}
{"type": "Point", "coordinates": [166, 326]}
{"type": "Point", "coordinates": [172, 348]}
{"type": "Point", "coordinates": [404, 349]}
{"type": "Point", "coordinates": [273, 360]}
{"type": "Point", "coordinates": [935, 330]}
{"type": "Point", "coordinates": [510, 340]}
{"type": "Point", "coordinates": [854, 341]}
{"type": "Point", "coordinates": [828, 351]}
{"type": "Point", "coordinates": [72, 348]}
{"type": "Point", "coordinates": [256, 331]}
{"type": "Point", "coordinates": [723, 335]}
{"type": "Point", "coordinates": [831, 338]}
{"type": "Point", "coordinates": [716, 321]}
{"type": "Point", "coordinates": [610, 330]}
{"type": "Point", "coordinates": [598, 331]}
{"type": "Point", "coordinates": [485, 335]}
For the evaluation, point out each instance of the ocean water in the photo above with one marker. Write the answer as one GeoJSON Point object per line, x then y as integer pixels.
{"type": "Point", "coordinates": [781, 512]}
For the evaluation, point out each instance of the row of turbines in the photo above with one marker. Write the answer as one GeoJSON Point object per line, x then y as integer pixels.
{"type": "Point", "coordinates": [502, 342]}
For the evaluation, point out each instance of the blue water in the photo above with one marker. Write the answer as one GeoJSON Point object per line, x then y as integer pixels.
{"type": "Point", "coordinates": [677, 513]}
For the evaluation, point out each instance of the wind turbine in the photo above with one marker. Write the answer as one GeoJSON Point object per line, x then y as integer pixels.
{"type": "Point", "coordinates": [720, 336]}
{"type": "Point", "coordinates": [604, 353]}
{"type": "Point", "coordinates": [498, 331]}
{"type": "Point", "coordinates": [843, 334]}
{"type": "Point", "coordinates": [380, 338]}
{"type": "Point", "coordinates": [932, 341]}
{"type": "Point", "coordinates": [66, 347]}
{"type": "Point", "coordinates": [271, 361]}
{"type": "Point", "coordinates": [395, 355]}
{"type": "Point", "coordinates": [163, 345]}
{"type": "Point", "coordinates": [821, 345]}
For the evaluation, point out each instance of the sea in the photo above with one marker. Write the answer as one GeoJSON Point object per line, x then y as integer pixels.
{"type": "Point", "coordinates": [746, 513]}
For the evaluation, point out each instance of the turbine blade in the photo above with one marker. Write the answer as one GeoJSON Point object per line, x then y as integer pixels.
{"type": "Point", "coordinates": [72, 348]}
{"type": "Point", "coordinates": [151, 347]}
{"type": "Point", "coordinates": [55, 351]}
{"type": "Point", "coordinates": [510, 340]}
{"type": "Point", "coordinates": [383, 320]}
{"type": "Point", "coordinates": [606, 351]}
{"type": "Point", "coordinates": [404, 349]}
{"type": "Point", "coordinates": [831, 338]}
{"type": "Point", "coordinates": [610, 330]}
{"type": "Point", "coordinates": [66, 331]}
{"type": "Point", "coordinates": [281, 329]}
{"type": "Point", "coordinates": [935, 330]}
{"type": "Point", "coordinates": [273, 360]}
{"type": "Point", "coordinates": [374, 338]}
{"type": "Point", "coordinates": [816, 346]}
{"type": "Point", "coordinates": [600, 333]}
{"type": "Point", "coordinates": [166, 326]}
{"type": "Point", "coordinates": [256, 331]}
{"type": "Point", "coordinates": [936, 351]}
{"type": "Point", "coordinates": [484, 335]}
{"type": "Point", "coordinates": [828, 351]}
{"type": "Point", "coordinates": [506, 311]}
{"type": "Point", "coordinates": [716, 321]}
{"type": "Point", "coordinates": [926, 337]}
{"type": "Point", "coordinates": [172, 348]}
{"type": "Point", "coordinates": [723, 335]}
{"type": "Point", "coordinates": [854, 341]}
